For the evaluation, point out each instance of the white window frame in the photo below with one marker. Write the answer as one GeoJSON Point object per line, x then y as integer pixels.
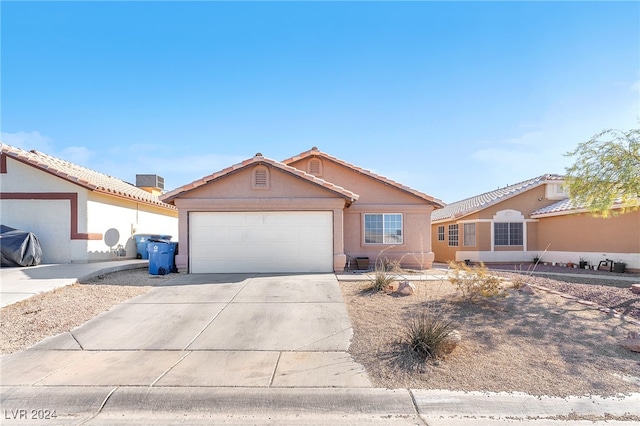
{"type": "Point", "coordinates": [455, 234]}
{"type": "Point", "coordinates": [385, 239]}
{"type": "Point", "coordinates": [441, 233]}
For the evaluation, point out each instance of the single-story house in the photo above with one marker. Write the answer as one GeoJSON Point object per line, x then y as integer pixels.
{"type": "Point", "coordinates": [79, 215]}
{"type": "Point", "coordinates": [309, 213]}
{"type": "Point", "coordinates": [530, 219]}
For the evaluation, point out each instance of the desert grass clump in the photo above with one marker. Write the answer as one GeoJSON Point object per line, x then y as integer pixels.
{"type": "Point", "coordinates": [518, 281]}
{"type": "Point", "coordinates": [381, 279]}
{"type": "Point", "coordinates": [475, 282]}
{"type": "Point", "coordinates": [392, 265]}
{"type": "Point", "coordinates": [426, 336]}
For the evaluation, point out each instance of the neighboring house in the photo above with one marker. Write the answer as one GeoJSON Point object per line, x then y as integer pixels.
{"type": "Point", "coordinates": [529, 219]}
{"type": "Point", "coordinates": [309, 213]}
{"type": "Point", "coordinates": [78, 214]}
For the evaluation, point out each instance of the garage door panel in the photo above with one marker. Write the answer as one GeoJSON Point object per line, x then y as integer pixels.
{"type": "Point", "coordinates": [261, 242]}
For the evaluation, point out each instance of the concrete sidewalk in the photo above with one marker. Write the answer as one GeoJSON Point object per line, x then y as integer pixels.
{"type": "Point", "coordinates": [20, 283]}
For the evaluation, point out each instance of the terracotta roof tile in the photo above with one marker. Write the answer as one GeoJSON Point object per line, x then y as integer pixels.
{"type": "Point", "coordinates": [562, 206]}
{"type": "Point", "coordinates": [82, 176]}
{"type": "Point", "coordinates": [479, 202]}
{"type": "Point", "coordinates": [259, 159]}
{"type": "Point", "coordinates": [316, 152]}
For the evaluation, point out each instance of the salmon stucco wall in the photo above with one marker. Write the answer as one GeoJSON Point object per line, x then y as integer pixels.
{"type": "Point", "coordinates": [573, 236]}
{"type": "Point", "coordinates": [376, 196]}
{"type": "Point", "coordinates": [234, 192]}
{"type": "Point", "coordinates": [520, 206]}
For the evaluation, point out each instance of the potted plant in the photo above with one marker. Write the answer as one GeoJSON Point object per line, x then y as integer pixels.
{"type": "Point", "coordinates": [583, 263]}
{"type": "Point", "coordinates": [536, 259]}
{"type": "Point", "coordinates": [570, 264]}
{"type": "Point", "coordinates": [619, 267]}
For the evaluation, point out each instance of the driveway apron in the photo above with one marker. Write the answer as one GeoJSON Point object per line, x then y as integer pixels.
{"type": "Point", "coordinates": [206, 330]}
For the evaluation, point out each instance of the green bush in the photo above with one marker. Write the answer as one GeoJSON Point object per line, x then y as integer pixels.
{"type": "Point", "coordinates": [475, 282]}
{"type": "Point", "coordinates": [426, 336]}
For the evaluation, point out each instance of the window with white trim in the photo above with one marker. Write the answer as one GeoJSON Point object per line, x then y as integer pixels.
{"type": "Point", "coordinates": [453, 235]}
{"type": "Point", "coordinates": [508, 233]}
{"type": "Point", "coordinates": [383, 228]}
{"type": "Point", "coordinates": [441, 233]}
{"type": "Point", "coordinates": [469, 235]}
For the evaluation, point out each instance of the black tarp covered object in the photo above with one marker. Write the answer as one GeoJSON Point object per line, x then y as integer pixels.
{"type": "Point", "coordinates": [19, 248]}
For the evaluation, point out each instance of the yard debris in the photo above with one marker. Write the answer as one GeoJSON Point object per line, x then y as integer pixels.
{"type": "Point", "coordinates": [632, 342]}
{"type": "Point", "coordinates": [406, 288]}
{"type": "Point", "coordinates": [526, 288]}
{"type": "Point", "coordinates": [451, 341]}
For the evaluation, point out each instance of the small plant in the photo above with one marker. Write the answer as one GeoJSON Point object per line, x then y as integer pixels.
{"type": "Point", "coordinates": [517, 282]}
{"type": "Point", "coordinates": [381, 279]}
{"type": "Point", "coordinates": [392, 265]}
{"type": "Point", "coordinates": [536, 259]}
{"type": "Point", "coordinates": [475, 282]}
{"type": "Point", "coordinates": [426, 336]}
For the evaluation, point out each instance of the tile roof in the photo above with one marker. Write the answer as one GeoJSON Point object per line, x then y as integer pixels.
{"type": "Point", "coordinates": [82, 176]}
{"type": "Point", "coordinates": [316, 152]}
{"type": "Point", "coordinates": [482, 201]}
{"type": "Point", "coordinates": [562, 206]}
{"type": "Point", "coordinates": [259, 159]}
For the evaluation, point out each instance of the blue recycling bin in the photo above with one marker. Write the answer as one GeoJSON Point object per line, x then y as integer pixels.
{"type": "Point", "coordinates": [161, 256]}
{"type": "Point", "coordinates": [141, 243]}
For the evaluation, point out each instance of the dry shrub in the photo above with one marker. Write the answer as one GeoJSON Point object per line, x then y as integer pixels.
{"type": "Point", "coordinates": [381, 279]}
{"type": "Point", "coordinates": [392, 265]}
{"type": "Point", "coordinates": [475, 283]}
{"type": "Point", "coordinates": [426, 336]}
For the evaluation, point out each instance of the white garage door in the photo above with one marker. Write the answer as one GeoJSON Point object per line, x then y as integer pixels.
{"type": "Point", "coordinates": [260, 242]}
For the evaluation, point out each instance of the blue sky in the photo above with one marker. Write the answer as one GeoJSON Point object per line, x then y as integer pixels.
{"type": "Point", "coordinates": [451, 98]}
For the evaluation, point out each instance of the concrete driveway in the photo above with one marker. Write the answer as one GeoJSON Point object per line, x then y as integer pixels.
{"type": "Point", "coordinates": [205, 330]}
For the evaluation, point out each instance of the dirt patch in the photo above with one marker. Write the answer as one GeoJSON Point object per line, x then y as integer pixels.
{"type": "Point", "coordinates": [540, 344]}
{"type": "Point", "coordinates": [25, 323]}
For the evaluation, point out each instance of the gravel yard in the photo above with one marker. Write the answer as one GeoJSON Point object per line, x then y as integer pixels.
{"type": "Point", "coordinates": [540, 344]}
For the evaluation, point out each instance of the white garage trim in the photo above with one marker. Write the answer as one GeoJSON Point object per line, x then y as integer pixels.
{"type": "Point", "coordinates": [233, 242]}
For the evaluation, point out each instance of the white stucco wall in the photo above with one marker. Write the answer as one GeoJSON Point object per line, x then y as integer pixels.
{"type": "Point", "coordinates": [50, 220]}
{"type": "Point", "coordinates": [128, 218]}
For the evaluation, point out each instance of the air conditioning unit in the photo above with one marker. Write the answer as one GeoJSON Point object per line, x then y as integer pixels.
{"type": "Point", "coordinates": [149, 181]}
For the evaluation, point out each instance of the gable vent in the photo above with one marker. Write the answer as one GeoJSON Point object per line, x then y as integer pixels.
{"type": "Point", "coordinates": [315, 167]}
{"type": "Point", "coordinates": [260, 178]}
